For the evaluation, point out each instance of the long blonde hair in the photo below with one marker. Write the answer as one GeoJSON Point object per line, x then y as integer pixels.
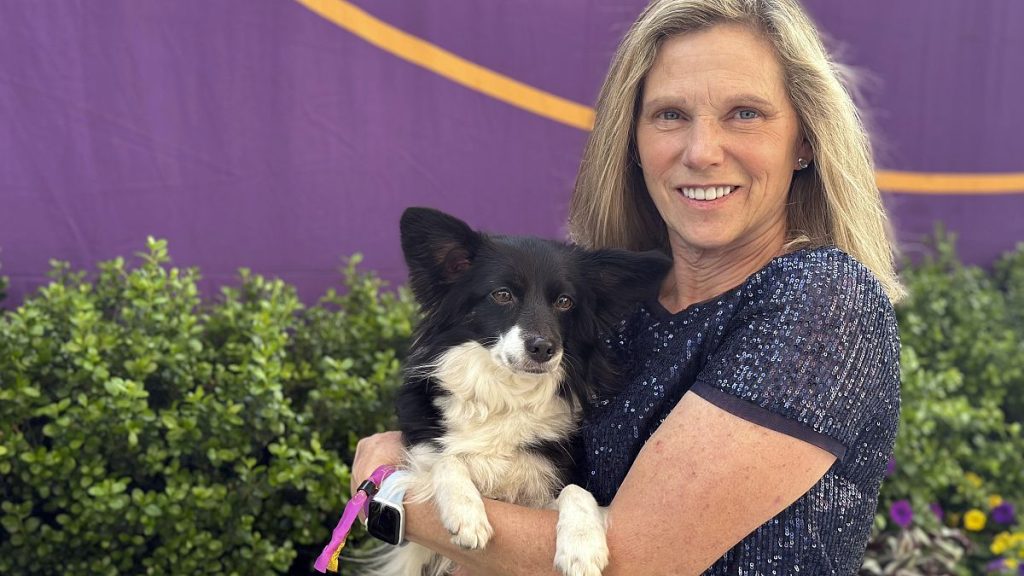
{"type": "Point", "coordinates": [835, 202]}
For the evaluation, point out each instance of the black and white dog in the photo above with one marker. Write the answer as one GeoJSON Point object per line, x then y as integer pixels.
{"type": "Point", "coordinates": [503, 362]}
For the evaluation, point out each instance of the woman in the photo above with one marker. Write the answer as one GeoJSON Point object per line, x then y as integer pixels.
{"type": "Point", "coordinates": [762, 392]}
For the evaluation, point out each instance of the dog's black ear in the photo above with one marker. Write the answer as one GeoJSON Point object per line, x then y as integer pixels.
{"type": "Point", "coordinates": [621, 278]}
{"type": "Point", "coordinates": [438, 248]}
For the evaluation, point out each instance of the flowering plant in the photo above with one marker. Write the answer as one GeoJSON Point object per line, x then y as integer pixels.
{"type": "Point", "coordinates": [912, 544]}
{"type": "Point", "coordinates": [1007, 546]}
{"type": "Point", "coordinates": [980, 534]}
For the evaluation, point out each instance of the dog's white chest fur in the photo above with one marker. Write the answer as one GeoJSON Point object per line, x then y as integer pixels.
{"type": "Point", "coordinates": [492, 417]}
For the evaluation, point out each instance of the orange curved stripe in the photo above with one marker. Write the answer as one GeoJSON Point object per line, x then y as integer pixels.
{"type": "Point", "coordinates": [451, 66]}
{"type": "Point", "coordinates": [511, 91]}
{"type": "Point", "coordinates": [950, 183]}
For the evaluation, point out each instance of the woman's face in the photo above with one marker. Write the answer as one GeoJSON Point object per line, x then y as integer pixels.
{"type": "Point", "coordinates": [718, 141]}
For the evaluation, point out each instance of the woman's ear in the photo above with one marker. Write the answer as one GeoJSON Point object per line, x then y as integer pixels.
{"type": "Point", "coordinates": [805, 151]}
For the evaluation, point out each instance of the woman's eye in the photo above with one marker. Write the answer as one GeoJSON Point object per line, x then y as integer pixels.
{"type": "Point", "coordinates": [564, 303]}
{"type": "Point", "coordinates": [502, 296]}
{"type": "Point", "coordinates": [747, 114]}
{"type": "Point", "coordinates": [670, 115]}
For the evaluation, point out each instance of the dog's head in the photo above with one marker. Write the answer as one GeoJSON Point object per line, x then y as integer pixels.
{"type": "Point", "coordinates": [528, 300]}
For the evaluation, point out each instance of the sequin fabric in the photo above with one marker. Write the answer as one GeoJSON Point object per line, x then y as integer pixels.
{"type": "Point", "coordinates": [807, 346]}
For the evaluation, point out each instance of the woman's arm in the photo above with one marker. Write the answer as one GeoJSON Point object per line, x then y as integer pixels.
{"type": "Point", "coordinates": [704, 480]}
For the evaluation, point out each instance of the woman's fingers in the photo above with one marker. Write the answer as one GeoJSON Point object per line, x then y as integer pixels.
{"type": "Point", "coordinates": [374, 451]}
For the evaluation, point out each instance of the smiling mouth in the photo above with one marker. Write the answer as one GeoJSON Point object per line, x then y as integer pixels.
{"type": "Point", "coordinates": [707, 193]}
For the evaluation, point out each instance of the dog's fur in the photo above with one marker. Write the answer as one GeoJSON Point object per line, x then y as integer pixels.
{"type": "Point", "coordinates": [502, 364]}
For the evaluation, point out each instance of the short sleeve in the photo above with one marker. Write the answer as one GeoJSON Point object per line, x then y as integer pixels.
{"type": "Point", "coordinates": [814, 355]}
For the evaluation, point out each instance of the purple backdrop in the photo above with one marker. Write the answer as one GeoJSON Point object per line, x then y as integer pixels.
{"type": "Point", "coordinates": [261, 134]}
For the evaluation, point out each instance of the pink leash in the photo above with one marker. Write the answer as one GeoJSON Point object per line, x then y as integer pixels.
{"type": "Point", "coordinates": [328, 559]}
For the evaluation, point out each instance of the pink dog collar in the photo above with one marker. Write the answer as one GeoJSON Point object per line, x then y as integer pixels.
{"type": "Point", "coordinates": [328, 559]}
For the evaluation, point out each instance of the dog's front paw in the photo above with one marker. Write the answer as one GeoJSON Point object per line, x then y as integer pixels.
{"type": "Point", "coordinates": [582, 551]}
{"type": "Point", "coordinates": [466, 520]}
{"type": "Point", "coordinates": [581, 547]}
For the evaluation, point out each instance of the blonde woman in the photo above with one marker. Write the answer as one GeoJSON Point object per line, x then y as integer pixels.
{"type": "Point", "coordinates": [762, 385]}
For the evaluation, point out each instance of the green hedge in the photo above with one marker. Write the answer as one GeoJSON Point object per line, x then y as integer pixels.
{"type": "Point", "coordinates": [143, 431]}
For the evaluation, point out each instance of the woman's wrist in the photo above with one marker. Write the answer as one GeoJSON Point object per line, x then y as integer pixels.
{"type": "Point", "coordinates": [422, 524]}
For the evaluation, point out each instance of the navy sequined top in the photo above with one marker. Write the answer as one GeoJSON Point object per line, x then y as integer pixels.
{"type": "Point", "coordinates": [807, 346]}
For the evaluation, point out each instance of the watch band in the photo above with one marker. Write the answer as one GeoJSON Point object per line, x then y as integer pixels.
{"type": "Point", "coordinates": [389, 498]}
{"type": "Point", "coordinates": [328, 559]}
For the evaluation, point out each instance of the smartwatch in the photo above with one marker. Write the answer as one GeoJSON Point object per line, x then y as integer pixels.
{"type": "Point", "coordinates": [385, 519]}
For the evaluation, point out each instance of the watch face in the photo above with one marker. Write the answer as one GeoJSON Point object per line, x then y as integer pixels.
{"type": "Point", "coordinates": [384, 523]}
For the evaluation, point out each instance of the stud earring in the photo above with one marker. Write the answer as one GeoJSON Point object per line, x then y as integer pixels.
{"type": "Point", "coordinates": [801, 164]}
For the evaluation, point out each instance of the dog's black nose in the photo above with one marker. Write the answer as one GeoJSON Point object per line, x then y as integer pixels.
{"type": "Point", "coordinates": [540, 349]}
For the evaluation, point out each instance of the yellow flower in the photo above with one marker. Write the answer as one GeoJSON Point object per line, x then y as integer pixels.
{"type": "Point", "coordinates": [973, 479]}
{"type": "Point", "coordinates": [1010, 563]}
{"type": "Point", "coordinates": [994, 500]}
{"type": "Point", "coordinates": [974, 520]}
{"type": "Point", "coordinates": [1001, 543]}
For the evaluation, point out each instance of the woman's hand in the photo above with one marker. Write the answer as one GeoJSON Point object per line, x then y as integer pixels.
{"type": "Point", "coordinates": [374, 451]}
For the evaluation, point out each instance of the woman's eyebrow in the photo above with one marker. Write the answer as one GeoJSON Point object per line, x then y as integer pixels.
{"type": "Point", "coordinates": [751, 99]}
{"type": "Point", "coordinates": [663, 102]}
{"type": "Point", "coordinates": [743, 98]}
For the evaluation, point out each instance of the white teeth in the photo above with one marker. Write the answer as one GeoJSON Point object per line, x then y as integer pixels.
{"type": "Point", "coordinates": [709, 193]}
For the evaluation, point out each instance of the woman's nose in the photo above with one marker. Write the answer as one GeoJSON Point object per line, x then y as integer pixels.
{"type": "Point", "coordinates": [703, 146]}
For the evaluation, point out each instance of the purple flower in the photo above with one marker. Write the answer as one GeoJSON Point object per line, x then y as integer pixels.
{"type": "Point", "coordinates": [996, 565]}
{"type": "Point", "coordinates": [1003, 513]}
{"type": "Point", "coordinates": [890, 468]}
{"type": "Point", "coordinates": [937, 510]}
{"type": "Point", "coordinates": [901, 513]}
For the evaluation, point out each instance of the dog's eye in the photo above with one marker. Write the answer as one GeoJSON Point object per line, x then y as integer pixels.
{"type": "Point", "coordinates": [564, 303]}
{"type": "Point", "coordinates": [502, 296]}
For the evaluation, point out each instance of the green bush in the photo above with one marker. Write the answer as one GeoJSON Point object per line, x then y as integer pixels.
{"type": "Point", "coordinates": [1009, 278]}
{"type": "Point", "coordinates": [143, 431]}
{"type": "Point", "coordinates": [960, 440]}
{"type": "Point", "coordinates": [963, 376]}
